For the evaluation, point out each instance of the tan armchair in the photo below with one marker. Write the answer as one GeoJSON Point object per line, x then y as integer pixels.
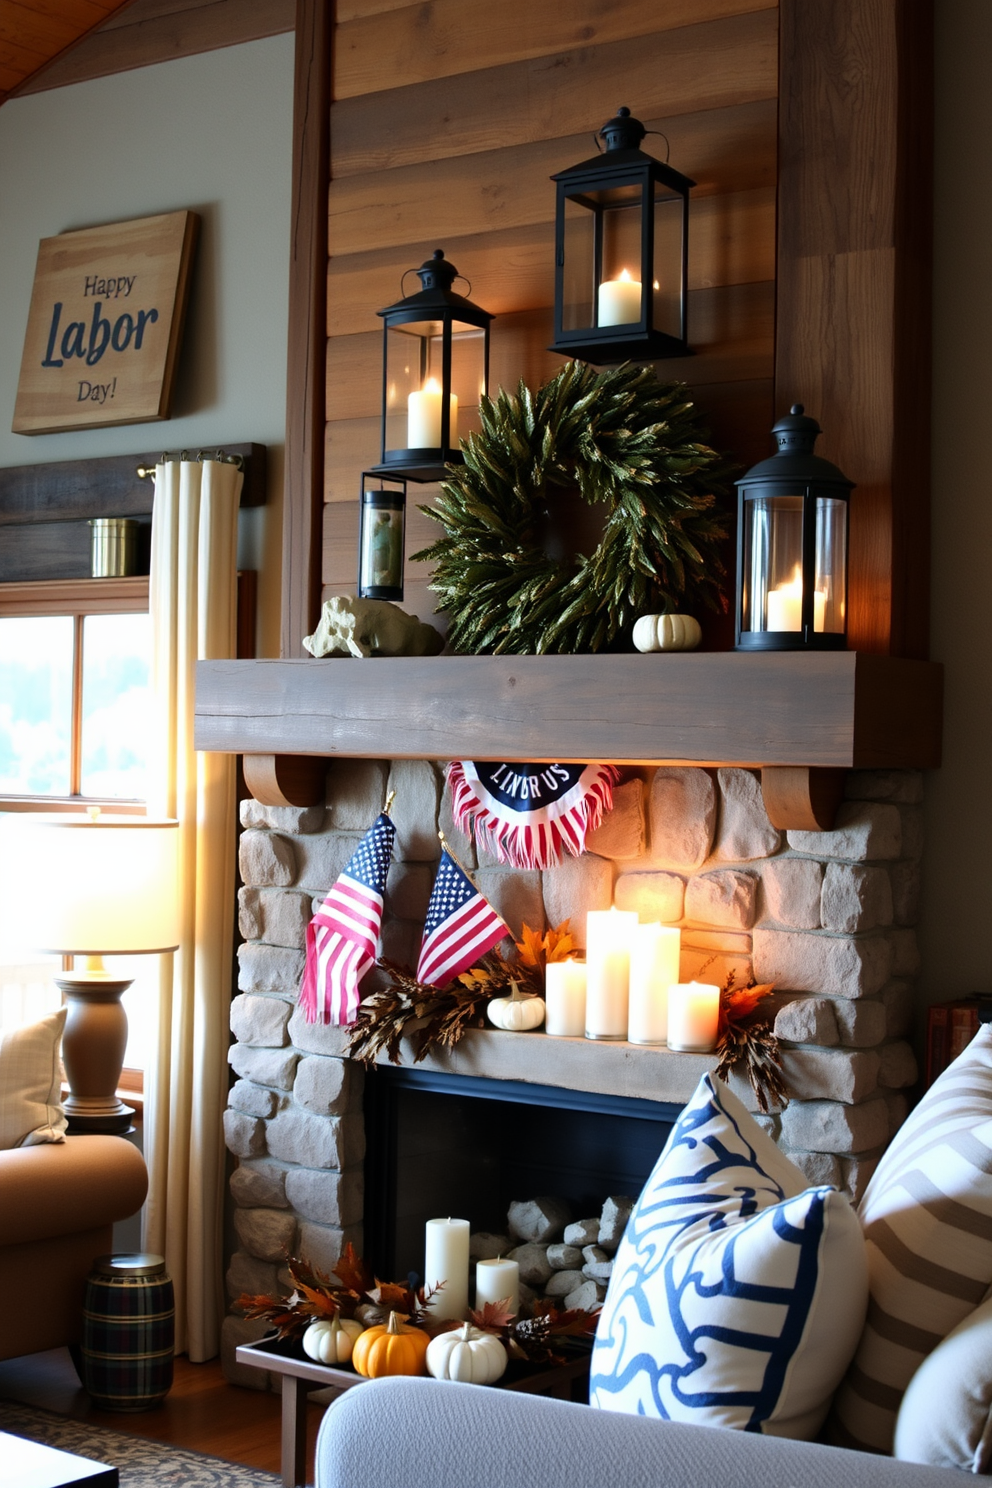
{"type": "Point", "coordinates": [58, 1204]}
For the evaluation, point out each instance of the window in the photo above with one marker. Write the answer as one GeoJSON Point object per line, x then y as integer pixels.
{"type": "Point", "coordinates": [74, 690]}
{"type": "Point", "coordinates": [74, 675]}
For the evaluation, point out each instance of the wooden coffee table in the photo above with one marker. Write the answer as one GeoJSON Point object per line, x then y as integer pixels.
{"type": "Point", "coordinates": [301, 1375]}
{"type": "Point", "coordinates": [31, 1465]}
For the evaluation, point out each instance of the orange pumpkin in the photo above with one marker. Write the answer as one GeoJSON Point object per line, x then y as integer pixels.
{"type": "Point", "coordinates": [392, 1347]}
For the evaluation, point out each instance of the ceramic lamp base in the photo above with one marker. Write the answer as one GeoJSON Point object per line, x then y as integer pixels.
{"type": "Point", "coordinates": [93, 1047]}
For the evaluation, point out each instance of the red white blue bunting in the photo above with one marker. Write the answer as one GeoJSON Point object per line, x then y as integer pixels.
{"type": "Point", "coordinates": [525, 814]}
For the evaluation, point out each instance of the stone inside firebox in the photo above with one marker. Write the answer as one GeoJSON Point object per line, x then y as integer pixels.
{"type": "Point", "coordinates": [568, 1261]}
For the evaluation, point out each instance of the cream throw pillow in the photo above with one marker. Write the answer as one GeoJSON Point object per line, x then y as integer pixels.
{"type": "Point", "coordinates": [927, 1219]}
{"type": "Point", "coordinates": [946, 1414]}
{"type": "Point", "coordinates": [31, 1083]}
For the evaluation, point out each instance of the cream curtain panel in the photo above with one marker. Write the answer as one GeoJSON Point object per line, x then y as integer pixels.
{"type": "Point", "coordinates": [193, 604]}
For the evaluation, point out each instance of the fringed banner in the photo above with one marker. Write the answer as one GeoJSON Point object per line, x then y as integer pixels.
{"type": "Point", "coordinates": [525, 814]}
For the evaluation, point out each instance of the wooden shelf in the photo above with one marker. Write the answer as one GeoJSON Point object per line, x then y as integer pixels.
{"type": "Point", "coordinates": [832, 711]}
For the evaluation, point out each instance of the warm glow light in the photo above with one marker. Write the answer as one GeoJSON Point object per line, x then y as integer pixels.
{"type": "Point", "coordinates": [110, 883]}
{"type": "Point", "coordinates": [785, 605]}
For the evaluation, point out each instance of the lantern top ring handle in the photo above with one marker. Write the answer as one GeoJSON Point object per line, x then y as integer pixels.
{"type": "Point", "coordinates": [462, 277]}
{"type": "Point", "coordinates": [661, 135]}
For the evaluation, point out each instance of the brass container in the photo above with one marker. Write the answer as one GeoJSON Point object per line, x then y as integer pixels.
{"type": "Point", "coordinates": [113, 547]}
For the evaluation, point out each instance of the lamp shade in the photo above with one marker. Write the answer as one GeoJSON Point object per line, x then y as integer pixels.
{"type": "Point", "coordinates": [79, 885]}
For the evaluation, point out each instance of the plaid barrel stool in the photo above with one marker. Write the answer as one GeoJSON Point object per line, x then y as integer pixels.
{"type": "Point", "coordinates": [128, 1331]}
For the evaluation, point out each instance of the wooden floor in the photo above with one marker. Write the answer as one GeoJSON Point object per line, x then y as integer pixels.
{"type": "Point", "coordinates": [201, 1412]}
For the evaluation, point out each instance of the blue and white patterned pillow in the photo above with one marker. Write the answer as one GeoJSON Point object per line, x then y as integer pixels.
{"type": "Point", "coordinates": [738, 1295]}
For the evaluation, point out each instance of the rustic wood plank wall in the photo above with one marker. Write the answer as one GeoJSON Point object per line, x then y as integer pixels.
{"type": "Point", "coordinates": [447, 121]}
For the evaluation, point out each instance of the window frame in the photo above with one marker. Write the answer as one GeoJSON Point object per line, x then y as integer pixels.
{"type": "Point", "coordinates": [77, 598]}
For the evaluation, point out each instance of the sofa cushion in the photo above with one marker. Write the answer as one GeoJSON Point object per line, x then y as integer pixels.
{"type": "Point", "coordinates": [946, 1414]}
{"type": "Point", "coordinates": [738, 1294]}
{"type": "Point", "coordinates": [31, 1083]}
{"type": "Point", "coordinates": [927, 1218]}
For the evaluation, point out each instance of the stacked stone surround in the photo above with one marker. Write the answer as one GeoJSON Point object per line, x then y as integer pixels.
{"type": "Point", "coordinates": [827, 917]}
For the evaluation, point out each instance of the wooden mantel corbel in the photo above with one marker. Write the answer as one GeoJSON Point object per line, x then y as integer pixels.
{"type": "Point", "coordinates": [799, 798]}
{"type": "Point", "coordinates": [285, 779]}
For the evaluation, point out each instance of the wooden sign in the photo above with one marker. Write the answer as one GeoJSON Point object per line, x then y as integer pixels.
{"type": "Point", "coordinates": [105, 325]}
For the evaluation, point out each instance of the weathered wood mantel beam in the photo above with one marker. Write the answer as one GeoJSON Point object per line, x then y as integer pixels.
{"type": "Point", "coordinates": [709, 709]}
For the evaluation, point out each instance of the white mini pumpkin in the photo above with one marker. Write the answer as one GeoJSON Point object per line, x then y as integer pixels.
{"type": "Point", "coordinates": [331, 1340]}
{"type": "Point", "coordinates": [667, 633]}
{"type": "Point", "coordinates": [466, 1354]}
{"type": "Point", "coordinates": [516, 1014]}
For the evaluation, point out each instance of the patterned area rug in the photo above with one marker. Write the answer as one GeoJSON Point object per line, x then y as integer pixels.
{"type": "Point", "coordinates": [141, 1463]}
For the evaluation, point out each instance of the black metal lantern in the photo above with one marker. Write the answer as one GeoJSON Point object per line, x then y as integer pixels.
{"type": "Point", "coordinates": [792, 523]}
{"type": "Point", "coordinates": [435, 367]}
{"type": "Point", "coordinates": [381, 540]}
{"type": "Point", "coordinates": [621, 252]}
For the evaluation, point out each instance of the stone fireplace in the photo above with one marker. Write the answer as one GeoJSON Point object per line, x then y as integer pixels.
{"type": "Point", "coordinates": [827, 916]}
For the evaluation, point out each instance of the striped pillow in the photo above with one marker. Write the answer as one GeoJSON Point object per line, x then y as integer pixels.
{"type": "Point", "coordinates": [927, 1218]}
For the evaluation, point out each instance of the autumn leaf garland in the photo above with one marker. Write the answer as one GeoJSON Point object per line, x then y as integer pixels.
{"type": "Point", "coordinates": [434, 1017]}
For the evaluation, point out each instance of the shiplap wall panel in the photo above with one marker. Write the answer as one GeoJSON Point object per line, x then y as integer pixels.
{"type": "Point", "coordinates": [464, 36]}
{"type": "Point", "coordinates": [501, 189]}
{"type": "Point", "coordinates": [732, 243]}
{"type": "Point", "coordinates": [457, 153]}
{"type": "Point", "coordinates": [719, 65]}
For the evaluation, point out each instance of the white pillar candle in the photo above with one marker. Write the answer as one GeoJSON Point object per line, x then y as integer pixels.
{"type": "Point", "coordinates": [654, 967]}
{"type": "Point", "coordinates": [608, 937]}
{"type": "Point", "coordinates": [498, 1281]}
{"type": "Point", "coordinates": [619, 300]}
{"type": "Point", "coordinates": [423, 421]}
{"type": "Point", "coordinates": [785, 606]}
{"type": "Point", "coordinates": [693, 1016]}
{"type": "Point", "coordinates": [446, 1259]}
{"type": "Point", "coordinates": [565, 999]}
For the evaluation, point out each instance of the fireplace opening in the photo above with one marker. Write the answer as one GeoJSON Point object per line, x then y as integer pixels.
{"type": "Point", "coordinates": [439, 1144]}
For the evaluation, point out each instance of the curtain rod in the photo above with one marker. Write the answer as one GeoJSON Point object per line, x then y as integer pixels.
{"type": "Point", "coordinates": [145, 472]}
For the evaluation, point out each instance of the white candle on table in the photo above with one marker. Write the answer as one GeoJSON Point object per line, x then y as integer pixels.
{"type": "Point", "coordinates": [565, 999]}
{"type": "Point", "coordinates": [693, 1016]}
{"type": "Point", "coordinates": [785, 606]}
{"type": "Point", "coordinates": [654, 967]}
{"type": "Point", "coordinates": [498, 1281]}
{"type": "Point", "coordinates": [619, 300]}
{"type": "Point", "coordinates": [446, 1259]}
{"type": "Point", "coordinates": [608, 936]}
{"type": "Point", "coordinates": [423, 422]}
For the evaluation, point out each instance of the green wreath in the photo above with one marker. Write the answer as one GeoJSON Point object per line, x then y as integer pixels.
{"type": "Point", "coordinates": [622, 438]}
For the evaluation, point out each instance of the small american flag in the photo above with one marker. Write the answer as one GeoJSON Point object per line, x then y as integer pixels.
{"type": "Point", "coordinates": [461, 926]}
{"type": "Point", "coordinates": [343, 935]}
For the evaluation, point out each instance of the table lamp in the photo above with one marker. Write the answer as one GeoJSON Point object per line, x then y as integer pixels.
{"type": "Point", "coordinates": [92, 886]}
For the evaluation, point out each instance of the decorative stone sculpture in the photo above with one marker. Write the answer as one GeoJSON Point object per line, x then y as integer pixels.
{"type": "Point", "coordinates": [370, 627]}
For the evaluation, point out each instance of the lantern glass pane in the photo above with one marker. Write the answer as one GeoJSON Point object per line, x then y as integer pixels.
{"type": "Point", "coordinates": [667, 298]}
{"type": "Point", "coordinates": [772, 590]}
{"type": "Point", "coordinates": [468, 377]}
{"type": "Point", "coordinates": [407, 359]}
{"type": "Point", "coordinates": [620, 296]}
{"type": "Point", "coordinates": [578, 268]}
{"type": "Point", "coordinates": [831, 562]}
{"type": "Point", "coordinates": [381, 545]}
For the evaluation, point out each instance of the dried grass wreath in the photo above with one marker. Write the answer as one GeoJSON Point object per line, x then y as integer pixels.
{"type": "Point", "coordinates": [619, 437]}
